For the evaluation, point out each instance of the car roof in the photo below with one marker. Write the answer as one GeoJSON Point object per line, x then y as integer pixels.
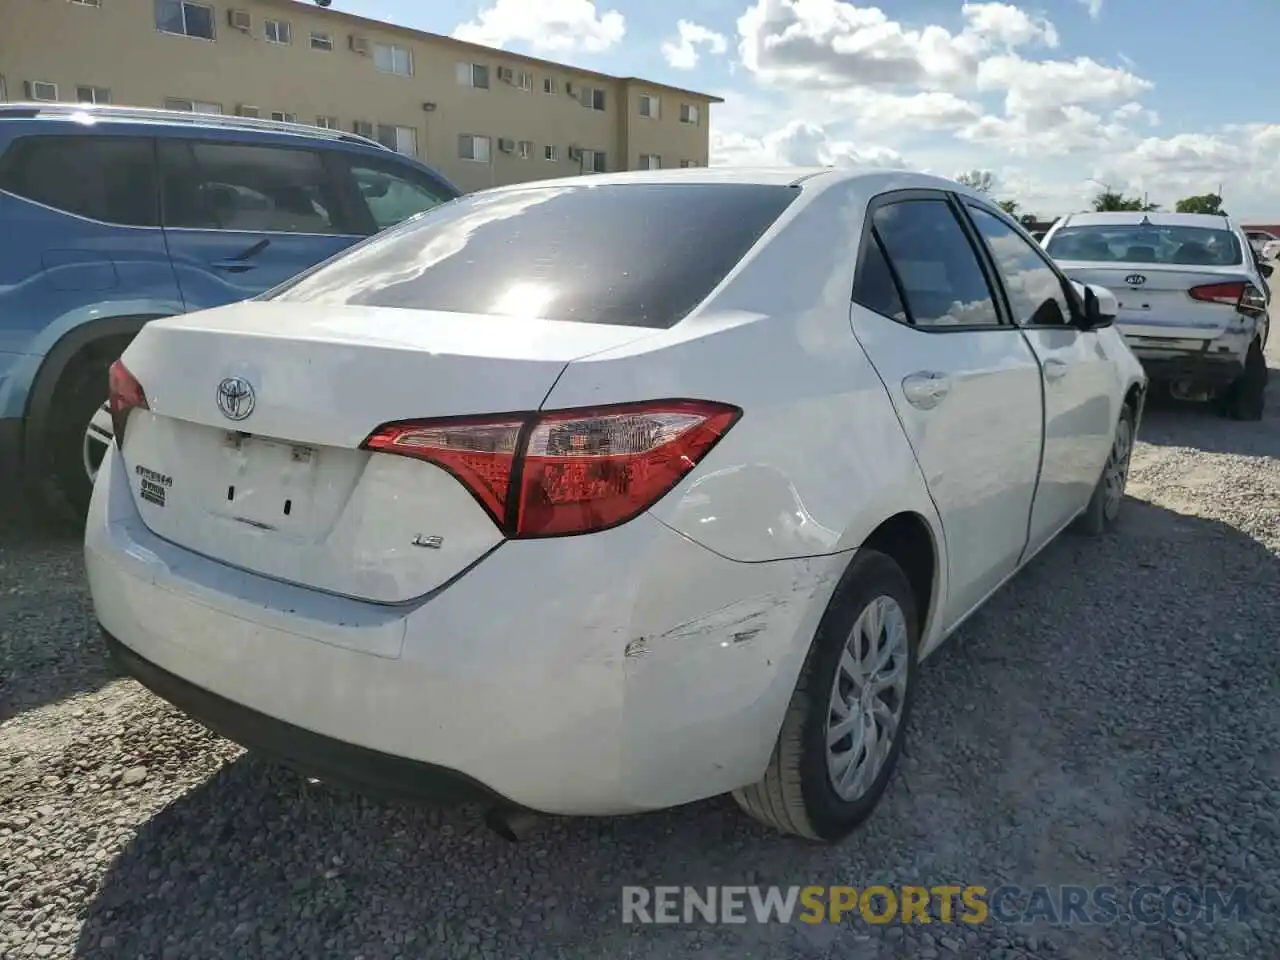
{"type": "Point", "coordinates": [94, 114]}
{"type": "Point", "coordinates": [1155, 218]}
{"type": "Point", "coordinates": [812, 178]}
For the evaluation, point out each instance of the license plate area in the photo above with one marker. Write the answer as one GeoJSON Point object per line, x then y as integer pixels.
{"type": "Point", "coordinates": [268, 484]}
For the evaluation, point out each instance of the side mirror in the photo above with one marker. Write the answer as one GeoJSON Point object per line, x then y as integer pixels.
{"type": "Point", "coordinates": [1100, 307]}
{"type": "Point", "coordinates": [1266, 270]}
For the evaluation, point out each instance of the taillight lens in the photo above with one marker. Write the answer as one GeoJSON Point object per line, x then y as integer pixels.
{"type": "Point", "coordinates": [1238, 293]}
{"type": "Point", "coordinates": [567, 471]}
{"type": "Point", "coordinates": [124, 393]}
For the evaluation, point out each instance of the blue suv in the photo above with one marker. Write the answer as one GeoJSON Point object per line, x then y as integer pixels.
{"type": "Point", "coordinates": [113, 216]}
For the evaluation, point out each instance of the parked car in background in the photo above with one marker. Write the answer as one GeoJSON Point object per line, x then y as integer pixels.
{"type": "Point", "coordinates": [550, 393]}
{"type": "Point", "coordinates": [1259, 241]}
{"type": "Point", "coordinates": [113, 216]}
{"type": "Point", "coordinates": [1193, 300]}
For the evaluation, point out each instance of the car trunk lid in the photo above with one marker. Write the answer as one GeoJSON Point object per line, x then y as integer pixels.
{"type": "Point", "coordinates": [286, 491]}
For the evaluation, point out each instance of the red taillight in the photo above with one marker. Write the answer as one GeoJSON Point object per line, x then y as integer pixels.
{"type": "Point", "coordinates": [566, 471]}
{"type": "Point", "coordinates": [124, 393]}
{"type": "Point", "coordinates": [1225, 293]}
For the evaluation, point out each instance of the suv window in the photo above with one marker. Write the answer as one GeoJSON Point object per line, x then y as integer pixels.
{"type": "Point", "coordinates": [232, 186]}
{"type": "Point", "coordinates": [635, 254]}
{"type": "Point", "coordinates": [941, 279]}
{"type": "Point", "coordinates": [1035, 290]}
{"type": "Point", "coordinates": [391, 195]}
{"type": "Point", "coordinates": [112, 179]}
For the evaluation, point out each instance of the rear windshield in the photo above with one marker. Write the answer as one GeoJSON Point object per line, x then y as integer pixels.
{"type": "Point", "coordinates": [639, 254]}
{"type": "Point", "coordinates": [1150, 243]}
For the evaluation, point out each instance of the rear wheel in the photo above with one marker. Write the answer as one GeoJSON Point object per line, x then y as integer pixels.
{"type": "Point", "coordinates": [75, 442]}
{"type": "Point", "coordinates": [1247, 397]}
{"type": "Point", "coordinates": [844, 729]}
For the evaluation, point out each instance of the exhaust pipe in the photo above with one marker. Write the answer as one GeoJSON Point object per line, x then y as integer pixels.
{"type": "Point", "coordinates": [511, 824]}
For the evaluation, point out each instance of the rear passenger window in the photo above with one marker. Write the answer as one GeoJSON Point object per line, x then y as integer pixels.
{"type": "Point", "coordinates": [112, 179]}
{"type": "Point", "coordinates": [392, 197]}
{"type": "Point", "coordinates": [873, 284]}
{"type": "Point", "coordinates": [231, 186]}
{"type": "Point", "coordinates": [943, 284]}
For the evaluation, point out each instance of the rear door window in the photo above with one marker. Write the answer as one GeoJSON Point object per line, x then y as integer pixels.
{"type": "Point", "coordinates": [637, 254]}
{"type": "Point", "coordinates": [111, 179]}
{"type": "Point", "coordinates": [391, 193]}
{"type": "Point", "coordinates": [231, 186]}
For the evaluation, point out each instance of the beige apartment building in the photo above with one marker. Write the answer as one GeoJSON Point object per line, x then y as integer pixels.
{"type": "Point", "coordinates": [482, 116]}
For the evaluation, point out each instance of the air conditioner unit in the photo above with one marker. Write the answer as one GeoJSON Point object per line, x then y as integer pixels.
{"type": "Point", "coordinates": [247, 110]}
{"type": "Point", "coordinates": [506, 145]}
{"type": "Point", "coordinates": [505, 74]}
{"type": "Point", "coordinates": [240, 20]}
{"type": "Point", "coordinates": [360, 45]}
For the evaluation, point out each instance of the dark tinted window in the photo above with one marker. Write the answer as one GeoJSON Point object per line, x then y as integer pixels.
{"type": "Point", "coordinates": [873, 284]}
{"type": "Point", "coordinates": [231, 186]}
{"type": "Point", "coordinates": [941, 279]}
{"type": "Point", "coordinates": [112, 179]}
{"type": "Point", "coordinates": [1147, 243]}
{"type": "Point", "coordinates": [1036, 294]}
{"type": "Point", "coordinates": [632, 254]}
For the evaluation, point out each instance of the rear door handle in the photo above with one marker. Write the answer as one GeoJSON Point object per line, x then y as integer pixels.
{"type": "Point", "coordinates": [240, 262]}
{"type": "Point", "coordinates": [232, 266]}
{"type": "Point", "coordinates": [926, 389]}
{"type": "Point", "coordinates": [1055, 370]}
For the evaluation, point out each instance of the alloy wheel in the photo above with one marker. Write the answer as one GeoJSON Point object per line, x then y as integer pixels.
{"type": "Point", "coordinates": [98, 436]}
{"type": "Point", "coordinates": [1117, 470]}
{"type": "Point", "coordinates": [867, 698]}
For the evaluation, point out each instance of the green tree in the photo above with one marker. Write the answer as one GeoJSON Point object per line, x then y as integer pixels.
{"type": "Point", "coordinates": [980, 180]}
{"type": "Point", "coordinates": [1205, 203]}
{"type": "Point", "coordinates": [1009, 206]}
{"type": "Point", "coordinates": [1109, 201]}
{"type": "Point", "coordinates": [1028, 220]}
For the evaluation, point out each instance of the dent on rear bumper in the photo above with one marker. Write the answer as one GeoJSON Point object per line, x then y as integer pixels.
{"type": "Point", "coordinates": [624, 671]}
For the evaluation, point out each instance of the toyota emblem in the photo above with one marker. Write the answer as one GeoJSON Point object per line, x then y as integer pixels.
{"type": "Point", "coordinates": [235, 398]}
{"type": "Point", "coordinates": [1135, 279]}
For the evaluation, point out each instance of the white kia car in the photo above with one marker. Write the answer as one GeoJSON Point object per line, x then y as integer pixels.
{"type": "Point", "coordinates": [606, 494]}
{"type": "Point", "coordinates": [1192, 298]}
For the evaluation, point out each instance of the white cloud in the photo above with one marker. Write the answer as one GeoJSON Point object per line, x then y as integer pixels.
{"type": "Point", "coordinates": [681, 51]}
{"type": "Point", "coordinates": [548, 26]}
{"type": "Point", "coordinates": [801, 144]}
{"type": "Point", "coordinates": [1094, 7]}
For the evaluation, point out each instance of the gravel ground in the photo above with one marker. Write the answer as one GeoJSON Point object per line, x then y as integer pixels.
{"type": "Point", "coordinates": [1113, 717]}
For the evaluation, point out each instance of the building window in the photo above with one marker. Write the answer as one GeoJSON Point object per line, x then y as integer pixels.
{"type": "Point", "coordinates": [277, 31]}
{"type": "Point", "coordinates": [184, 18]}
{"type": "Point", "coordinates": [593, 161]}
{"type": "Point", "coordinates": [688, 163]}
{"type": "Point", "coordinates": [650, 161]}
{"type": "Point", "coordinates": [688, 113]}
{"type": "Point", "coordinates": [192, 106]}
{"type": "Point", "coordinates": [4, 89]}
{"type": "Point", "coordinates": [281, 117]}
{"type": "Point", "coordinates": [400, 139]}
{"type": "Point", "coordinates": [473, 75]}
{"type": "Point", "coordinates": [327, 123]}
{"type": "Point", "coordinates": [524, 80]}
{"type": "Point", "coordinates": [41, 90]}
{"type": "Point", "coordinates": [524, 149]}
{"type": "Point", "coordinates": [392, 59]}
{"type": "Point", "coordinates": [87, 3]}
{"type": "Point", "coordinates": [549, 85]}
{"type": "Point", "coordinates": [321, 40]}
{"type": "Point", "coordinates": [550, 152]}
{"type": "Point", "coordinates": [248, 110]}
{"type": "Point", "coordinates": [650, 107]}
{"type": "Point", "coordinates": [593, 98]}
{"type": "Point", "coordinates": [93, 95]}
{"type": "Point", "coordinates": [473, 148]}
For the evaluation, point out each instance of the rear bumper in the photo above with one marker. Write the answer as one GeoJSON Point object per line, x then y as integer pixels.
{"type": "Point", "coordinates": [1208, 363]}
{"type": "Point", "coordinates": [627, 671]}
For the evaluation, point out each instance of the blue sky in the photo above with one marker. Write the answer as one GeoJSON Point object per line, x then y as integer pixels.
{"type": "Point", "coordinates": [1048, 96]}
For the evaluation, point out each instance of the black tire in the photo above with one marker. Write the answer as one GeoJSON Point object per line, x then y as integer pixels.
{"type": "Point", "coordinates": [1103, 512]}
{"type": "Point", "coordinates": [1246, 399]}
{"type": "Point", "coordinates": [796, 795]}
{"type": "Point", "coordinates": [62, 484]}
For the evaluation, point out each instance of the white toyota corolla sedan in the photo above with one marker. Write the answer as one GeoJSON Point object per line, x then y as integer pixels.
{"type": "Point", "coordinates": [606, 494]}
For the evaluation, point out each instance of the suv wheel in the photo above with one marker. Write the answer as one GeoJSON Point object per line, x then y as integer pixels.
{"type": "Point", "coordinates": [75, 443]}
{"type": "Point", "coordinates": [1246, 398]}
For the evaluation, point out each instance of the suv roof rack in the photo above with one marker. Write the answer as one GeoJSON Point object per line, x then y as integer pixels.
{"type": "Point", "coordinates": [156, 115]}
